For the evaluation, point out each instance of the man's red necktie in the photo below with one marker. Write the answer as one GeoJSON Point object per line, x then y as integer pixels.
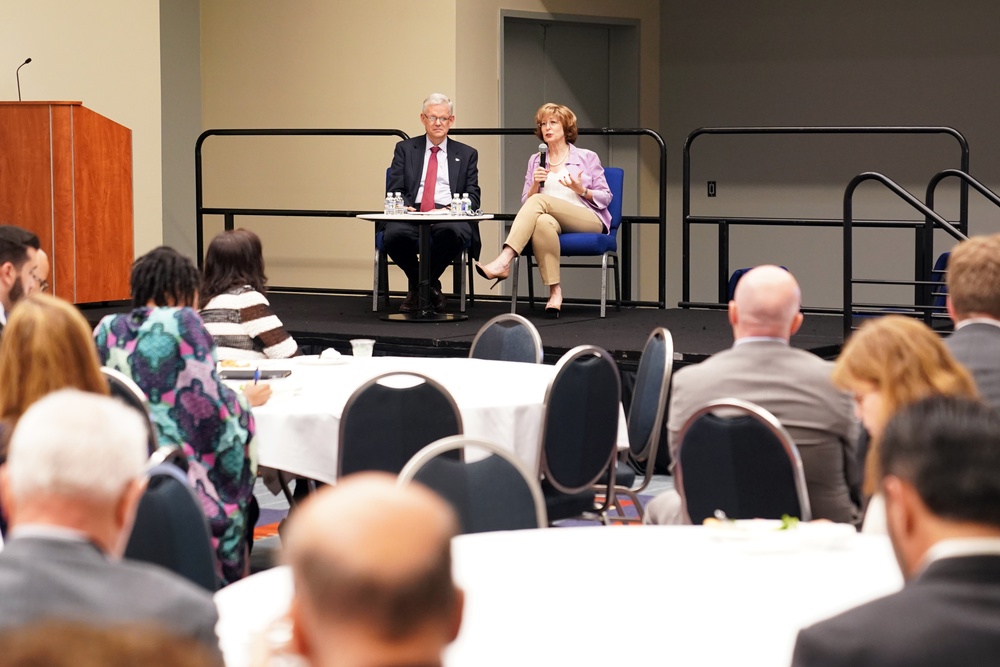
{"type": "Point", "coordinates": [430, 181]}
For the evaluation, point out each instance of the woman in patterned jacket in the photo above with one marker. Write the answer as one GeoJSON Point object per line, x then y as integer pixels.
{"type": "Point", "coordinates": [163, 346]}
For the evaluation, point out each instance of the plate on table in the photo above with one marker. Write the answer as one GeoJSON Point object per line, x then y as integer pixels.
{"type": "Point", "coordinates": [316, 360]}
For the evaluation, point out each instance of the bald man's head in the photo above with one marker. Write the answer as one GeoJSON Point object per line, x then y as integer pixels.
{"type": "Point", "coordinates": [372, 568]}
{"type": "Point", "coordinates": [766, 303]}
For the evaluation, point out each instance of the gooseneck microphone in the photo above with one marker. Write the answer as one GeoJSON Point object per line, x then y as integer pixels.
{"type": "Point", "coordinates": [17, 75]}
{"type": "Point", "coordinates": [543, 149]}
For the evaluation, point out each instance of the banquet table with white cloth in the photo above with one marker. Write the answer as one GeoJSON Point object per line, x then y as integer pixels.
{"type": "Point", "coordinates": [298, 428]}
{"type": "Point", "coordinates": [693, 596]}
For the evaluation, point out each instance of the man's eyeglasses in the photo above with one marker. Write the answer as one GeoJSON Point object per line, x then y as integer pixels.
{"type": "Point", "coordinates": [434, 120]}
{"type": "Point", "coordinates": [43, 285]}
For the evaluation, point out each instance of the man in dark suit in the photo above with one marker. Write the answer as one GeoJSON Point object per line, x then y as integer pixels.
{"type": "Point", "coordinates": [70, 487]}
{"type": "Point", "coordinates": [792, 384]}
{"type": "Point", "coordinates": [940, 464]}
{"type": "Point", "coordinates": [457, 169]}
{"type": "Point", "coordinates": [973, 280]}
{"type": "Point", "coordinates": [373, 587]}
{"type": "Point", "coordinates": [20, 267]}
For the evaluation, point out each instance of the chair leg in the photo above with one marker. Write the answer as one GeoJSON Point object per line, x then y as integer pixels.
{"type": "Point", "coordinates": [469, 281]}
{"type": "Point", "coordinates": [513, 285]}
{"type": "Point", "coordinates": [461, 274]}
{"type": "Point", "coordinates": [375, 285]}
{"type": "Point", "coordinates": [604, 283]}
{"type": "Point", "coordinates": [618, 285]}
{"type": "Point", "coordinates": [531, 283]}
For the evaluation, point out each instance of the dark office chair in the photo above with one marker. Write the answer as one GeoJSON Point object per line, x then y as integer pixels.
{"type": "Point", "coordinates": [390, 418]}
{"type": "Point", "coordinates": [492, 493]}
{"type": "Point", "coordinates": [170, 528]}
{"type": "Point", "coordinates": [125, 390]}
{"type": "Point", "coordinates": [585, 244]}
{"type": "Point", "coordinates": [735, 456]}
{"type": "Point", "coordinates": [579, 432]}
{"type": "Point", "coordinates": [508, 337]}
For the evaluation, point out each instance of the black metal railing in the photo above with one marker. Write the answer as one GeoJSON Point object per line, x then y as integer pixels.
{"type": "Point", "coordinates": [625, 246]}
{"type": "Point", "coordinates": [724, 223]}
{"type": "Point", "coordinates": [923, 283]}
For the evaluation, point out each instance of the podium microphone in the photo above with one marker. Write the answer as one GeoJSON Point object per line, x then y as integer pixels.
{"type": "Point", "coordinates": [543, 149]}
{"type": "Point", "coordinates": [17, 74]}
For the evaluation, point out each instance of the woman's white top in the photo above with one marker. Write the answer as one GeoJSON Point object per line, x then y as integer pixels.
{"type": "Point", "coordinates": [554, 188]}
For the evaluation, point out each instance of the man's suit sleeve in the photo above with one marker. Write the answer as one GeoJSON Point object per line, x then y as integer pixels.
{"type": "Point", "coordinates": [396, 171]}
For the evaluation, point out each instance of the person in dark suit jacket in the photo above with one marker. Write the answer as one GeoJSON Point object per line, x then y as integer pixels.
{"type": "Point", "coordinates": [21, 263]}
{"type": "Point", "coordinates": [457, 171]}
{"type": "Point", "coordinates": [794, 385]}
{"type": "Point", "coordinates": [73, 479]}
{"type": "Point", "coordinates": [940, 463]}
{"type": "Point", "coordinates": [973, 303]}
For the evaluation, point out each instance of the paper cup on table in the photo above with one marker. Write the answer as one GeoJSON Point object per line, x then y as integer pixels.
{"type": "Point", "coordinates": [362, 347]}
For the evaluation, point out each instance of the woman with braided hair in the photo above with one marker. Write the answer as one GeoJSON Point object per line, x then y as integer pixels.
{"type": "Point", "coordinates": [162, 344]}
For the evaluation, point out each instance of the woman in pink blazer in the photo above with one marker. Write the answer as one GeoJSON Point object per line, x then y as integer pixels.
{"type": "Point", "coordinates": [568, 194]}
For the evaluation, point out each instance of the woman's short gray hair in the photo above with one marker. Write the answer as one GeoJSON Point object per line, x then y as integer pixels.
{"type": "Point", "coordinates": [438, 98]}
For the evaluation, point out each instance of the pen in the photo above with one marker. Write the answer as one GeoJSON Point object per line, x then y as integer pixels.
{"type": "Point", "coordinates": [256, 375]}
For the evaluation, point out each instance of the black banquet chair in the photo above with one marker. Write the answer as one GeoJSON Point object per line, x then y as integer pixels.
{"type": "Point", "coordinates": [735, 456]}
{"type": "Point", "coordinates": [508, 337]}
{"type": "Point", "coordinates": [170, 527]}
{"type": "Point", "coordinates": [492, 493]}
{"type": "Point", "coordinates": [580, 432]}
{"type": "Point", "coordinates": [392, 417]}
{"type": "Point", "coordinates": [128, 392]}
{"type": "Point", "coordinates": [645, 416]}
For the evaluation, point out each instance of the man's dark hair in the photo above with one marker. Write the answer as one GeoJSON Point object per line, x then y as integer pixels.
{"type": "Point", "coordinates": [234, 259]}
{"type": "Point", "coordinates": [14, 244]}
{"type": "Point", "coordinates": [949, 449]}
{"type": "Point", "coordinates": [164, 276]}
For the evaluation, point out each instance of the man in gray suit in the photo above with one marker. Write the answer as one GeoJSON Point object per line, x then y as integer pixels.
{"type": "Point", "coordinates": [940, 463]}
{"type": "Point", "coordinates": [974, 306]}
{"type": "Point", "coordinates": [70, 487]}
{"type": "Point", "coordinates": [792, 384]}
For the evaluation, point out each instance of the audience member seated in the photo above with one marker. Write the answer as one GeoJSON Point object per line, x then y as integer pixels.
{"type": "Point", "coordinates": [46, 346]}
{"type": "Point", "coordinates": [235, 310]}
{"type": "Point", "coordinates": [794, 385]}
{"type": "Point", "coordinates": [19, 262]}
{"type": "Point", "coordinates": [888, 363]}
{"type": "Point", "coordinates": [71, 484]}
{"type": "Point", "coordinates": [974, 306]}
{"type": "Point", "coordinates": [371, 563]}
{"type": "Point", "coordinates": [940, 477]}
{"type": "Point", "coordinates": [163, 346]}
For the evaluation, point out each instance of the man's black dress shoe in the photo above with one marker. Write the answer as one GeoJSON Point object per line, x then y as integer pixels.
{"type": "Point", "coordinates": [410, 303]}
{"type": "Point", "coordinates": [438, 299]}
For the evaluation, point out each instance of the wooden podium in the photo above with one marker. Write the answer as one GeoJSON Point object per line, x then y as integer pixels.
{"type": "Point", "coordinates": [66, 175]}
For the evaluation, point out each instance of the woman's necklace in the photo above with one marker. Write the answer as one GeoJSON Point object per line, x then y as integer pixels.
{"type": "Point", "coordinates": [554, 163]}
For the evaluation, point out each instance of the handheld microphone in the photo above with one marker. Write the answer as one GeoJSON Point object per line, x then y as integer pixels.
{"type": "Point", "coordinates": [17, 75]}
{"type": "Point", "coordinates": [543, 149]}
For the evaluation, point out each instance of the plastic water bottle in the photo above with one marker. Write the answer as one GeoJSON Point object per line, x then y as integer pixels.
{"type": "Point", "coordinates": [390, 204]}
{"type": "Point", "coordinates": [466, 204]}
{"type": "Point", "coordinates": [399, 207]}
{"type": "Point", "coordinates": [456, 204]}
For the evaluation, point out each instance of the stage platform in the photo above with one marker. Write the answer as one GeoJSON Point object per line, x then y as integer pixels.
{"type": "Point", "coordinates": [319, 321]}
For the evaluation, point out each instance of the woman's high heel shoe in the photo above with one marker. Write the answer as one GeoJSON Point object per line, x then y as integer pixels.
{"type": "Point", "coordinates": [495, 277]}
{"type": "Point", "coordinates": [551, 312]}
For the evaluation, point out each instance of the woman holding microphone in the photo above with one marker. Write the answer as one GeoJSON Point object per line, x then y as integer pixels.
{"type": "Point", "coordinates": [565, 193]}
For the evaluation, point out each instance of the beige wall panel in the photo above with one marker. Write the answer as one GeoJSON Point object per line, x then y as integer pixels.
{"type": "Point", "coordinates": [107, 55]}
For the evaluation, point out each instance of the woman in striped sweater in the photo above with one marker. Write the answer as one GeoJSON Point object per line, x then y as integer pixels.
{"type": "Point", "coordinates": [235, 311]}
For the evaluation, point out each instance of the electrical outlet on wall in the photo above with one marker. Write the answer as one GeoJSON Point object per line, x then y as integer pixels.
{"type": "Point", "coordinates": [711, 188]}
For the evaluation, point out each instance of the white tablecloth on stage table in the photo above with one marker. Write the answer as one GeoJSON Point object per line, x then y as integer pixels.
{"type": "Point", "coordinates": [297, 430]}
{"type": "Point", "coordinates": [559, 597]}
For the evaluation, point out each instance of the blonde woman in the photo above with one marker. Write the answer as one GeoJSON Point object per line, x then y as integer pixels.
{"type": "Point", "coordinates": [889, 363]}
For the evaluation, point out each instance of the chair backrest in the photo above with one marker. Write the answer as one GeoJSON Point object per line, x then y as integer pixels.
{"type": "Point", "coordinates": [392, 417]}
{"type": "Point", "coordinates": [580, 429]}
{"type": "Point", "coordinates": [742, 462]}
{"type": "Point", "coordinates": [508, 337]}
{"type": "Point", "coordinates": [615, 176]}
{"type": "Point", "coordinates": [649, 398]}
{"type": "Point", "coordinates": [492, 493]}
{"type": "Point", "coordinates": [170, 527]}
{"type": "Point", "coordinates": [125, 390]}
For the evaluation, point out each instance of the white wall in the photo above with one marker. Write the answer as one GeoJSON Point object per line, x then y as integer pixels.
{"type": "Point", "coordinates": [107, 55]}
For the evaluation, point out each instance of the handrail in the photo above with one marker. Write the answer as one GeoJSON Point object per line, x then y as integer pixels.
{"type": "Point", "coordinates": [928, 229]}
{"type": "Point", "coordinates": [687, 219]}
{"type": "Point", "coordinates": [626, 244]}
{"type": "Point", "coordinates": [229, 213]}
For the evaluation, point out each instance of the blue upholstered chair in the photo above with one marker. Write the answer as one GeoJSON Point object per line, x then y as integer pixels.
{"type": "Point", "coordinates": [583, 244]}
{"type": "Point", "coordinates": [508, 337]}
